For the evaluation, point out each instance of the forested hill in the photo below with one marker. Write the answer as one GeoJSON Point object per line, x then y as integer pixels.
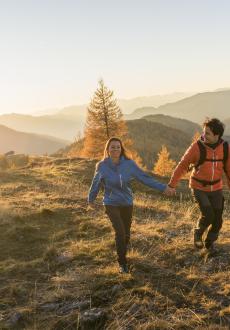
{"type": "Point", "coordinates": [149, 137]}
{"type": "Point", "coordinates": [184, 125]}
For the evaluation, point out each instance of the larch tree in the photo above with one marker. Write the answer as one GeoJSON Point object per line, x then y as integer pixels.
{"type": "Point", "coordinates": [164, 166]}
{"type": "Point", "coordinates": [104, 120]}
{"type": "Point", "coordinates": [196, 136]}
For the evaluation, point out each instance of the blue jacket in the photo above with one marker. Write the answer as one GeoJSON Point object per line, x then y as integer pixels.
{"type": "Point", "coordinates": [116, 180]}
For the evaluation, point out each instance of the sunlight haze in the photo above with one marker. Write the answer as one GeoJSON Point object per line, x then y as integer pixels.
{"type": "Point", "coordinates": [54, 52]}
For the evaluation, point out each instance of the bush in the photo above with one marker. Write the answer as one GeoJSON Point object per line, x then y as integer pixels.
{"type": "Point", "coordinates": [19, 160]}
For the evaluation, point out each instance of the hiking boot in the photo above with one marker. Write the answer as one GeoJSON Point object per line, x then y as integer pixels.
{"type": "Point", "coordinates": [198, 239]}
{"type": "Point", "coordinates": [123, 269]}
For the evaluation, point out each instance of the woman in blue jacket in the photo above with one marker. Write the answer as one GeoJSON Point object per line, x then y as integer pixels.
{"type": "Point", "coordinates": [115, 173]}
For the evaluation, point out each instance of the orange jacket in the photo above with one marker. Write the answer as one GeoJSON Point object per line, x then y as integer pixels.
{"type": "Point", "coordinates": [209, 171]}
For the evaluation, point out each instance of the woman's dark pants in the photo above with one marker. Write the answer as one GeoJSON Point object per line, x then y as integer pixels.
{"type": "Point", "coordinates": [211, 206]}
{"type": "Point", "coordinates": [121, 218]}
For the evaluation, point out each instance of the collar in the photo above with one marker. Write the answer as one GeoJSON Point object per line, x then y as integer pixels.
{"type": "Point", "coordinates": [110, 162]}
{"type": "Point", "coordinates": [212, 145]}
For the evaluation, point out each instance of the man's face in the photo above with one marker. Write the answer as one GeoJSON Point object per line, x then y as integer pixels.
{"type": "Point", "coordinates": [209, 137]}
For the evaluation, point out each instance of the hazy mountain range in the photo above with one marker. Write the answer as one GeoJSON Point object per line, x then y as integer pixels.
{"type": "Point", "coordinates": [28, 143]}
{"type": "Point", "coordinates": [58, 125]}
{"type": "Point", "coordinates": [55, 131]}
{"type": "Point", "coordinates": [127, 105]}
{"type": "Point", "coordinates": [195, 108]}
{"type": "Point", "coordinates": [69, 121]}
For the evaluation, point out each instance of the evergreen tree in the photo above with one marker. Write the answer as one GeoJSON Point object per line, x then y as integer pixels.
{"type": "Point", "coordinates": [164, 165]}
{"type": "Point", "coordinates": [104, 120]}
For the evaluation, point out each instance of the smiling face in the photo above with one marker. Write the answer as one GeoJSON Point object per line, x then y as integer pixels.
{"type": "Point", "coordinates": [114, 149]}
{"type": "Point", "coordinates": [209, 136]}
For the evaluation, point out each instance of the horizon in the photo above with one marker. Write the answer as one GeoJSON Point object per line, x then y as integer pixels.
{"type": "Point", "coordinates": [54, 53]}
{"type": "Point", "coordinates": [53, 110]}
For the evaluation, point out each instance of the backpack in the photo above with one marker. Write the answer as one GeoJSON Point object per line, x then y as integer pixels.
{"type": "Point", "coordinates": [203, 158]}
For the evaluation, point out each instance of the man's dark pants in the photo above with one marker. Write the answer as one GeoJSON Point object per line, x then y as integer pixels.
{"type": "Point", "coordinates": [211, 205]}
{"type": "Point", "coordinates": [121, 218]}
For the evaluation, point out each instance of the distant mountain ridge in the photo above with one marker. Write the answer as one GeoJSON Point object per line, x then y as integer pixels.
{"type": "Point", "coordinates": [28, 143]}
{"type": "Point", "coordinates": [59, 126]}
{"type": "Point", "coordinates": [141, 112]}
{"type": "Point", "coordinates": [194, 108]}
{"type": "Point", "coordinates": [197, 107]}
{"type": "Point", "coordinates": [68, 122]}
{"type": "Point", "coordinates": [126, 105]}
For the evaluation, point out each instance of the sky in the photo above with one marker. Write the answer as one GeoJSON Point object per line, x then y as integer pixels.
{"type": "Point", "coordinates": [52, 53]}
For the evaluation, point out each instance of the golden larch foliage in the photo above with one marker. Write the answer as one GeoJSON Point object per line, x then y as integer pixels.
{"type": "Point", "coordinates": [164, 166]}
{"type": "Point", "coordinates": [196, 136]}
{"type": "Point", "coordinates": [104, 120]}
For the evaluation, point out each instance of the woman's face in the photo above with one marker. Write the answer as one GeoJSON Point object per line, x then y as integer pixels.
{"type": "Point", "coordinates": [114, 149]}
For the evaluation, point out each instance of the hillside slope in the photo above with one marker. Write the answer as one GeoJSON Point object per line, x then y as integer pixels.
{"type": "Point", "coordinates": [57, 125]}
{"type": "Point", "coordinates": [149, 137]}
{"type": "Point", "coordinates": [28, 143]}
{"type": "Point", "coordinates": [58, 265]}
{"type": "Point", "coordinates": [183, 125]}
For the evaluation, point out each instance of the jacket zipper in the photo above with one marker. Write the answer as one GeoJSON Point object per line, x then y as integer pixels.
{"type": "Point", "coordinates": [120, 181]}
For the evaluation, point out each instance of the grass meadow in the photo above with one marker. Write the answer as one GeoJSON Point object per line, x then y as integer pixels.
{"type": "Point", "coordinates": [58, 266]}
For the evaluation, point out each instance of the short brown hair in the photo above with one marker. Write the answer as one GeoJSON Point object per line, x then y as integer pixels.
{"type": "Point", "coordinates": [215, 125]}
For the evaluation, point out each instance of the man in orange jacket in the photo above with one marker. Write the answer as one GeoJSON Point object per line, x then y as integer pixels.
{"type": "Point", "coordinates": [206, 179]}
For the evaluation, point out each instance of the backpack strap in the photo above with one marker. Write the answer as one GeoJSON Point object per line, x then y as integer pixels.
{"type": "Point", "coordinates": [203, 152]}
{"type": "Point", "coordinates": [205, 182]}
{"type": "Point", "coordinates": [202, 156]}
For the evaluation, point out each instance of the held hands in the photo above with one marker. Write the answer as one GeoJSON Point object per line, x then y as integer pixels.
{"type": "Point", "coordinates": [169, 191]}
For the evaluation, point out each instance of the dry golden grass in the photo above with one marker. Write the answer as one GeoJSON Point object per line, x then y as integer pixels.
{"type": "Point", "coordinates": [56, 253]}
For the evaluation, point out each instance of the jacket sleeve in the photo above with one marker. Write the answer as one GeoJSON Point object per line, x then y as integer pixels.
{"type": "Point", "coordinates": [227, 168]}
{"type": "Point", "coordinates": [190, 157]}
{"type": "Point", "coordinates": [95, 185]}
{"type": "Point", "coordinates": [146, 179]}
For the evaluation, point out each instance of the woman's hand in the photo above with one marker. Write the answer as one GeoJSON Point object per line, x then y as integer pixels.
{"type": "Point", "coordinates": [169, 191]}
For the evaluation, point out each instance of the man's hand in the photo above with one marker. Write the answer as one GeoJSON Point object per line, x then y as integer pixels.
{"type": "Point", "coordinates": [169, 191]}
